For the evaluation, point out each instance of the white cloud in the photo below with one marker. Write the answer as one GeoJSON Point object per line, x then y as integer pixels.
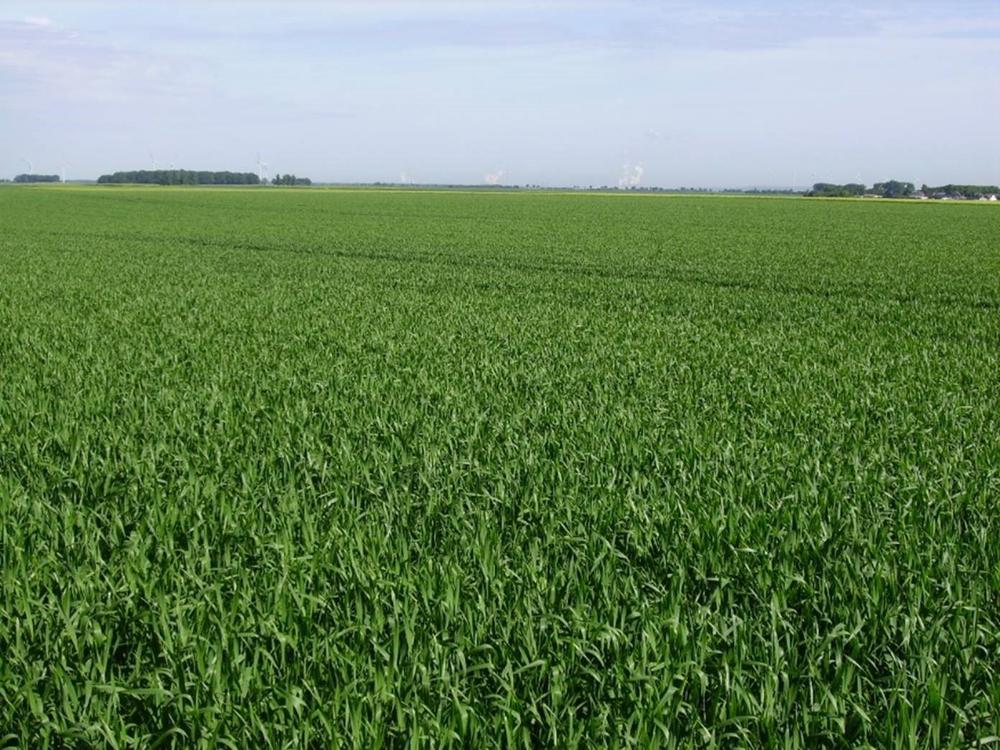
{"type": "Point", "coordinates": [37, 55]}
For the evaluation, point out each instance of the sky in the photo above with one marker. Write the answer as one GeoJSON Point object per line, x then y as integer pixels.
{"type": "Point", "coordinates": [768, 93]}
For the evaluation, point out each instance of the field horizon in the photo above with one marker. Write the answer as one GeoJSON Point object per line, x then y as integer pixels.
{"type": "Point", "coordinates": [497, 190]}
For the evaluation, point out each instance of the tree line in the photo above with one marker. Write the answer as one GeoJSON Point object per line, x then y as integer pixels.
{"type": "Point", "coordinates": [37, 178]}
{"type": "Point", "coordinates": [889, 189]}
{"type": "Point", "coordinates": [178, 177]}
{"type": "Point", "coordinates": [898, 189]}
{"type": "Point", "coordinates": [969, 192]}
{"type": "Point", "coordinates": [290, 179]}
{"type": "Point", "coordinates": [190, 177]}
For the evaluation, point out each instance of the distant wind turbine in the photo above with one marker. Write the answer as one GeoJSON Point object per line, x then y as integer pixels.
{"type": "Point", "coordinates": [31, 168]}
{"type": "Point", "coordinates": [261, 169]}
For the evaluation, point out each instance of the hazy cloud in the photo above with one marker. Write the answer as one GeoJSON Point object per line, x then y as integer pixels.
{"type": "Point", "coordinates": [44, 59]}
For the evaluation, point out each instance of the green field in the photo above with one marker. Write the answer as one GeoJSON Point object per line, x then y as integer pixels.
{"type": "Point", "coordinates": [378, 469]}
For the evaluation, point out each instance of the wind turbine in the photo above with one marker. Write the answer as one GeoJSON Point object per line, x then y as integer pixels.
{"type": "Point", "coordinates": [31, 168]}
{"type": "Point", "coordinates": [261, 169]}
{"type": "Point", "coordinates": [152, 160]}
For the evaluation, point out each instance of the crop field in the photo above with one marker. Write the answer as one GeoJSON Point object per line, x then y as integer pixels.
{"type": "Point", "coordinates": [332, 468]}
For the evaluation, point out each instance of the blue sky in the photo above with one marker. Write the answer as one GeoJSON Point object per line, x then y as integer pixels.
{"type": "Point", "coordinates": [554, 92]}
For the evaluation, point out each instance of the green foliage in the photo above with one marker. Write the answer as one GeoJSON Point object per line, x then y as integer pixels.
{"type": "Point", "coordinates": [37, 178]}
{"type": "Point", "coordinates": [830, 190]}
{"type": "Point", "coordinates": [893, 189]}
{"type": "Point", "coordinates": [384, 469]}
{"type": "Point", "coordinates": [890, 189]}
{"type": "Point", "coordinates": [961, 191]}
{"type": "Point", "coordinates": [179, 177]}
{"type": "Point", "coordinates": [290, 179]}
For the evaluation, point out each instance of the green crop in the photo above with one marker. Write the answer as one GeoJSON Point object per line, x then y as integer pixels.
{"type": "Point", "coordinates": [382, 469]}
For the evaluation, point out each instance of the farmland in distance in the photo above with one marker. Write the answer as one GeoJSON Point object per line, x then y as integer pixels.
{"type": "Point", "coordinates": [365, 468]}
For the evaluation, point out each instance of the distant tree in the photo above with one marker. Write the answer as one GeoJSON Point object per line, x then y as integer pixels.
{"type": "Point", "coordinates": [831, 190]}
{"type": "Point", "coordinates": [890, 189]}
{"type": "Point", "coordinates": [179, 177]}
{"type": "Point", "coordinates": [971, 192]}
{"type": "Point", "coordinates": [894, 189]}
{"type": "Point", "coordinates": [290, 180]}
{"type": "Point", "coordinates": [37, 178]}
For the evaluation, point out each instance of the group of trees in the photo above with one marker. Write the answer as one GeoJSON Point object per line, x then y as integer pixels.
{"type": "Point", "coordinates": [969, 192]}
{"type": "Point", "coordinates": [290, 179]}
{"type": "Point", "coordinates": [37, 178]}
{"type": "Point", "coordinates": [189, 177]}
{"type": "Point", "coordinates": [831, 190]}
{"type": "Point", "coordinates": [890, 189]}
{"type": "Point", "coordinates": [178, 177]}
{"type": "Point", "coordinates": [897, 189]}
{"type": "Point", "coordinates": [893, 189]}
